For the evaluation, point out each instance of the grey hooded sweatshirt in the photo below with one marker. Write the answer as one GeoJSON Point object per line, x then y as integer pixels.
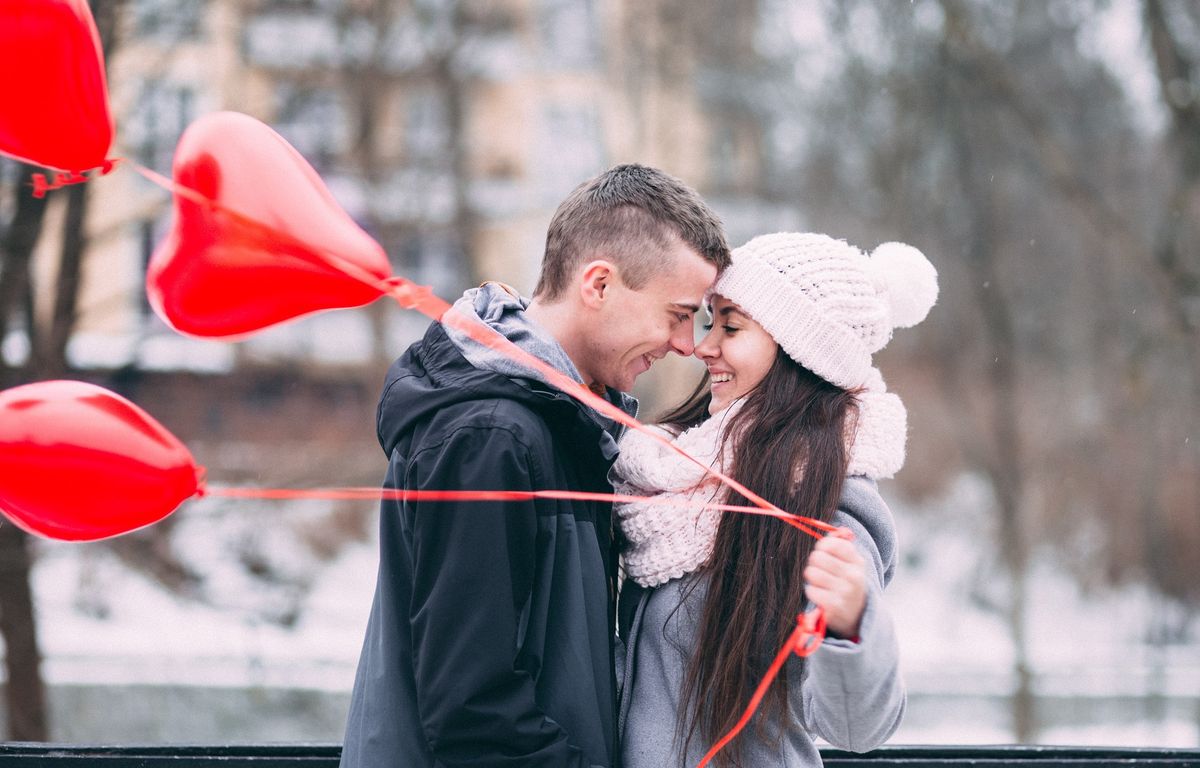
{"type": "Point", "coordinates": [848, 693]}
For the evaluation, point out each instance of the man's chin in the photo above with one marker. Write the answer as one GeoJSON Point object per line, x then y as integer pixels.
{"type": "Point", "coordinates": [623, 383]}
{"type": "Point", "coordinates": [623, 380]}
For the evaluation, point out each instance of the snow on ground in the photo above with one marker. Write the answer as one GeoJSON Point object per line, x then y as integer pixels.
{"type": "Point", "coordinates": [102, 624]}
{"type": "Point", "coordinates": [955, 638]}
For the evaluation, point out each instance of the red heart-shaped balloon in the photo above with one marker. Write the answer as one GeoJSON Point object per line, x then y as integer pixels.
{"type": "Point", "coordinates": [80, 463]}
{"type": "Point", "coordinates": [257, 237]}
{"type": "Point", "coordinates": [52, 87]}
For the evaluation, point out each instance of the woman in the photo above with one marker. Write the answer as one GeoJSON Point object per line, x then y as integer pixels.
{"type": "Point", "coordinates": [793, 409]}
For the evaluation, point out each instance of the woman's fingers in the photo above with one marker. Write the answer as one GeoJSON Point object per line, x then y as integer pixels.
{"type": "Point", "coordinates": [838, 549]}
{"type": "Point", "coordinates": [835, 579]}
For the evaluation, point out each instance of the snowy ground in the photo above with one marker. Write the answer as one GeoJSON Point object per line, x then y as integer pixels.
{"type": "Point", "coordinates": [128, 662]}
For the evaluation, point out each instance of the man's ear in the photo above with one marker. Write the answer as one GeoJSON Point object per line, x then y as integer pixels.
{"type": "Point", "coordinates": [596, 282]}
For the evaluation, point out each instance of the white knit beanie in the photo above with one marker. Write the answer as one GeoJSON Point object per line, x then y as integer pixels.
{"type": "Point", "coordinates": [828, 304]}
{"type": "Point", "coordinates": [830, 307]}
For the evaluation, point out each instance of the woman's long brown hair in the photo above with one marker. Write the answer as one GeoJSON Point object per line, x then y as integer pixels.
{"type": "Point", "coordinates": [789, 445]}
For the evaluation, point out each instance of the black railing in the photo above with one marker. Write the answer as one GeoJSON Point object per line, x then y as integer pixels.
{"type": "Point", "coordinates": [326, 756]}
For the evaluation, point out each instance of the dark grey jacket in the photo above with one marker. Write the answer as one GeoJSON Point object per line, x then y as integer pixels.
{"type": "Point", "coordinates": [491, 634]}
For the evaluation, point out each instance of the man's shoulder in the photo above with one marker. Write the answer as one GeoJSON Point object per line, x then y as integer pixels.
{"type": "Point", "coordinates": [497, 418]}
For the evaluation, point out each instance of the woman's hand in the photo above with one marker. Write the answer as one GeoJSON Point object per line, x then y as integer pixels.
{"type": "Point", "coordinates": [836, 580]}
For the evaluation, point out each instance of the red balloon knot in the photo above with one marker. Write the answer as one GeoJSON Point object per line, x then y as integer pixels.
{"type": "Point", "coordinates": [42, 185]}
{"type": "Point", "coordinates": [201, 482]}
{"type": "Point", "coordinates": [408, 295]}
{"type": "Point", "coordinates": [810, 632]}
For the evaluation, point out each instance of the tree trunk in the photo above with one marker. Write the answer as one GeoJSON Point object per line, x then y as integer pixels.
{"type": "Point", "coordinates": [16, 250]}
{"type": "Point", "coordinates": [50, 360]}
{"type": "Point", "coordinates": [456, 93]}
{"type": "Point", "coordinates": [1175, 248]}
{"type": "Point", "coordinates": [1003, 462]}
{"type": "Point", "coordinates": [24, 694]}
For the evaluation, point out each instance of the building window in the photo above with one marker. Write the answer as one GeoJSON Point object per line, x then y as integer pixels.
{"type": "Point", "coordinates": [163, 110]}
{"type": "Point", "coordinates": [426, 125]}
{"type": "Point", "coordinates": [313, 121]}
{"type": "Point", "coordinates": [169, 21]}
{"type": "Point", "coordinates": [568, 32]}
{"type": "Point", "coordinates": [571, 149]}
{"type": "Point", "coordinates": [148, 231]}
{"type": "Point", "coordinates": [291, 40]}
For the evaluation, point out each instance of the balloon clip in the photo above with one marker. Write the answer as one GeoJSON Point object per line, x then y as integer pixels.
{"type": "Point", "coordinates": [42, 185]}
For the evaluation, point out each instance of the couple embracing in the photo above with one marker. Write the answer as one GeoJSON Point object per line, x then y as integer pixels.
{"type": "Point", "coordinates": [496, 636]}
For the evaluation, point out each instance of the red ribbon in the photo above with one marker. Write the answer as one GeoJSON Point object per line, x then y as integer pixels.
{"type": "Point", "coordinates": [806, 638]}
{"type": "Point", "coordinates": [811, 526]}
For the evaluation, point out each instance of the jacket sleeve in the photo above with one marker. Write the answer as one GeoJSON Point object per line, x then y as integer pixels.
{"type": "Point", "coordinates": [853, 694]}
{"type": "Point", "coordinates": [473, 570]}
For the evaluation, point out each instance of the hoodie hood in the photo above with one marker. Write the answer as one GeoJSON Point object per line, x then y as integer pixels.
{"type": "Point", "coordinates": [502, 309]}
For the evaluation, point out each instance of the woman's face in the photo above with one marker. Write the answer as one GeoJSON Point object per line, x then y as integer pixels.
{"type": "Point", "coordinates": [737, 351]}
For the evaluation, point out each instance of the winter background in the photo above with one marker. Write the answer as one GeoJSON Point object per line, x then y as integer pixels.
{"type": "Point", "coordinates": [130, 663]}
{"type": "Point", "coordinates": [1043, 154]}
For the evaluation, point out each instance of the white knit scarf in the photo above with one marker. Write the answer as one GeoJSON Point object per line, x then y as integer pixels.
{"type": "Point", "coordinates": [669, 541]}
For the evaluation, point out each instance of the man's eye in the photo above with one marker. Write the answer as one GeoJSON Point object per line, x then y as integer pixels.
{"type": "Point", "coordinates": [681, 318]}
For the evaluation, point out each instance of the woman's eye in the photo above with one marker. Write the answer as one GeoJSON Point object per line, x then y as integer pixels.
{"type": "Point", "coordinates": [707, 326]}
{"type": "Point", "coordinates": [730, 329]}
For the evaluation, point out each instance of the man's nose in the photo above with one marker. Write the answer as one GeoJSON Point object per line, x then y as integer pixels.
{"type": "Point", "coordinates": [683, 339]}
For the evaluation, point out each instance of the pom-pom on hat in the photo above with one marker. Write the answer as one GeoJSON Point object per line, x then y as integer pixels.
{"type": "Point", "coordinates": [827, 304]}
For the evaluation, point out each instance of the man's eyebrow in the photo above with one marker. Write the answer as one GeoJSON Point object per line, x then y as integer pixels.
{"type": "Point", "coordinates": [689, 307]}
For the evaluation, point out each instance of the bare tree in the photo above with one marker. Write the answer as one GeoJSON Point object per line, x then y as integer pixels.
{"type": "Point", "coordinates": [1061, 356]}
{"type": "Point", "coordinates": [25, 692]}
{"type": "Point", "coordinates": [1177, 238]}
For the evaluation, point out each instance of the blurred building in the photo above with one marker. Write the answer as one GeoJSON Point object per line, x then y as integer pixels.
{"type": "Point", "coordinates": [449, 129]}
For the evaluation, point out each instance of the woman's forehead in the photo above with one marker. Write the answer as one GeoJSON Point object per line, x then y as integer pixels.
{"type": "Point", "coordinates": [719, 306]}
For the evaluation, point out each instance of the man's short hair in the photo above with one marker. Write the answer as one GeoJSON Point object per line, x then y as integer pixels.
{"type": "Point", "coordinates": [631, 214]}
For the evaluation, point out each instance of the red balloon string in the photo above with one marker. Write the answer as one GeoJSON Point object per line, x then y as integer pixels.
{"type": "Point", "coordinates": [806, 638]}
{"type": "Point", "coordinates": [811, 526]}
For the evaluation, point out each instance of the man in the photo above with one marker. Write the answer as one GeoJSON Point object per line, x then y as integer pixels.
{"type": "Point", "coordinates": [490, 637]}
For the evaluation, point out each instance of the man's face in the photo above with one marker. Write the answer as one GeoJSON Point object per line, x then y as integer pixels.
{"type": "Point", "coordinates": [637, 327]}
